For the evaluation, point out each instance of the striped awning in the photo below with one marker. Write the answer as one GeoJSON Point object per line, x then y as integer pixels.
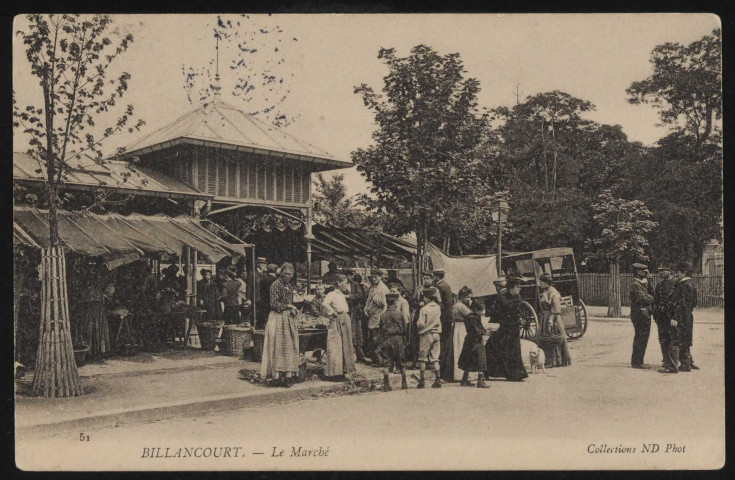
{"type": "Point", "coordinates": [113, 236]}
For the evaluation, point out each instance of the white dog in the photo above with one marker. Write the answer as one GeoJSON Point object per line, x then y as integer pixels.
{"type": "Point", "coordinates": [537, 359]}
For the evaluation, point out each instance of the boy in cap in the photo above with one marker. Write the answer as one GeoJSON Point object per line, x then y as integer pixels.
{"type": "Point", "coordinates": [662, 317]}
{"type": "Point", "coordinates": [391, 347]}
{"type": "Point", "coordinates": [641, 300]}
{"type": "Point", "coordinates": [430, 328]}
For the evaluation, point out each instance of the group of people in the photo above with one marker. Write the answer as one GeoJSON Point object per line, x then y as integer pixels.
{"type": "Point", "coordinates": [381, 323]}
{"type": "Point", "coordinates": [670, 304]}
{"type": "Point", "coordinates": [226, 296]}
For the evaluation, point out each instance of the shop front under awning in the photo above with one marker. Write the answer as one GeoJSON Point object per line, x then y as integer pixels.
{"type": "Point", "coordinates": [121, 238]}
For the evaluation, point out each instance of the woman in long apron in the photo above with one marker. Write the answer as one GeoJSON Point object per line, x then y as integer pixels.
{"type": "Point", "coordinates": [340, 353]}
{"type": "Point", "coordinates": [281, 342]}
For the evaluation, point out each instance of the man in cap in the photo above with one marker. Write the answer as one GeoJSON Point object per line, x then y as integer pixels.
{"type": "Point", "coordinates": [208, 295]}
{"type": "Point", "coordinates": [354, 300]}
{"type": "Point", "coordinates": [683, 300]}
{"type": "Point", "coordinates": [374, 305]}
{"type": "Point", "coordinates": [418, 301]}
{"type": "Point", "coordinates": [430, 328]}
{"type": "Point", "coordinates": [393, 278]}
{"type": "Point", "coordinates": [230, 295]}
{"type": "Point", "coordinates": [447, 304]}
{"type": "Point", "coordinates": [662, 317]}
{"type": "Point", "coordinates": [641, 300]}
{"type": "Point", "coordinates": [392, 332]}
{"type": "Point", "coordinates": [258, 279]}
{"type": "Point", "coordinates": [330, 278]}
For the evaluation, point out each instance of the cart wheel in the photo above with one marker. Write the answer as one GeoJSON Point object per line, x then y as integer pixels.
{"type": "Point", "coordinates": [581, 315]}
{"type": "Point", "coordinates": [529, 322]}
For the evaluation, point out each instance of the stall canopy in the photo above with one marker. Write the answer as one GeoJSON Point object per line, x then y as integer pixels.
{"type": "Point", "coordinates": [116, 237]}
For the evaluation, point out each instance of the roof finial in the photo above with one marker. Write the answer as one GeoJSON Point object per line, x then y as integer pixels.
{"type": "Point", "coordinates": [216, 87]}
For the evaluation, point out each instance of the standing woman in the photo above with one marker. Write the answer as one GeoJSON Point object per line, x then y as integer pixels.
{"type": "Point", "coordinates": [340, 355]}
{"type": "Point", "coordinates": [93, 324]}
{"type": "Point", "coordinates": [460, 311]}
{"type": "Point", "coordinates": [281, 342]}
{"type": "Point", "coordinates": [503, 349]}
{"type": "Point", "coordinates": [556, 355]}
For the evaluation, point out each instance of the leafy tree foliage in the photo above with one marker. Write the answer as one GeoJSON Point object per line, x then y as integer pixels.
{"type": "Point", "coordinates": [254, 49]}
{"type": "Point", "coordinates": [71, 55]}
{"type": "Point", "coordinates": [332, 206]}
{"type": "Point", "coordinates": [423, 158]}
{"type": "Point", "coordinates": [686, 85]}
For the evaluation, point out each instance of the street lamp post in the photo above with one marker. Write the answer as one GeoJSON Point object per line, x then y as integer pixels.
{"type": "Point", "coordinates": [500, 214]}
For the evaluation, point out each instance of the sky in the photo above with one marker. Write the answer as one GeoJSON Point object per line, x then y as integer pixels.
{"type": "Point", "coordinates": [591, 56]}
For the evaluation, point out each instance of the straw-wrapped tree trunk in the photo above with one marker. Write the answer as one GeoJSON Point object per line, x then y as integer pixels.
{"type": "Point", "coordinates": [70, 56]}
{"type": "Point", "coordinates": [56, 369]}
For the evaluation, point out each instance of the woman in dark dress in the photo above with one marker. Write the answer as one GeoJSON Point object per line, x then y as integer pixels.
{"type": "Point", "coordinates": [503, 349]}
{"type": "Point", "coordinates": [472, 358]}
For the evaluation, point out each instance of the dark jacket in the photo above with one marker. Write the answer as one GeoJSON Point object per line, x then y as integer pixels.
{"type": "Point", "coordinates": [641, 300]}
{"type": "Point", "coordinates": [661, 299]}
{"type": "Point", "coordinates": [683, 300]}
{"type": "Point", "coordinates": [447, 300]}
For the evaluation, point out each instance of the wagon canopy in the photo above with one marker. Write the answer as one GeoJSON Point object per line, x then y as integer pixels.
{"type": "Point", "coordinates": [119, 238]}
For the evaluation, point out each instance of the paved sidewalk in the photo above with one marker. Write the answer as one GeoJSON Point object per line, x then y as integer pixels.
{"type": "Point", "coordinates": [205, 384]}
{"type": "Point", "coordinates": [706, 316]}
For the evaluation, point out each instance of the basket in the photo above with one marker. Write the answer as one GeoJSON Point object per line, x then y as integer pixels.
{"type": "Point", "coordinates": [208, 332]}
{"type": "Point", "coordinates": [256, 353]}
{"type": "Point", "coordinates": [80, 354]}
{"type": "Point", "coordinates": [236, 338]}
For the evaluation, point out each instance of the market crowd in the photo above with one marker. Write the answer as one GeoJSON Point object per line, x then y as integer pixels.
{"type": "Point", "coordinates": [380, 322]}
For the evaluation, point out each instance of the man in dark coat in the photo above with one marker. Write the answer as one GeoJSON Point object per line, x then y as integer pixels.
{"type": "Point", "coordinates": [641, 300]}
{"type": "Point", "coordinates": [393, 278]}
{"type": "Point", "coordinates": [447, 303]}
{"type": "Point", "coordinates": [662, 317]}
{"type": "Point", "coordinates": [683, 300]}
{"type": "Point", "coordinates": [259, 282]}
{"type": "Point", "coordinates": [355, 302]}
{"type": "Point", "coordinates": [208, 295]}
{"type": "Point", "coordinates": [330, 278]}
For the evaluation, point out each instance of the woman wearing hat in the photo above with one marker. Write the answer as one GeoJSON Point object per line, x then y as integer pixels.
{"type": "Point", "coordinates": [503, 349]}
{"type": "Point", "coordinates": [281, 342]}
{"type": "Point", "coordinates": [551, 322]}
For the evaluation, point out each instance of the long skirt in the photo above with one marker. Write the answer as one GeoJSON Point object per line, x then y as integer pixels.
{"type": "Point", "coordinates": [503, 355]}
{"type": "Point", "coordinates": [447, 363]}
{"type": "Point", "coordinates": [556, 355]}
{"type": "Point", "coordinates": [269, 347]}
{"type": "Point", "coordinates": [93, 328]}
{"type": "Point", "coordinates": [282, 342]}
{"type": "Point", "coordinates": [459, 332]}
{"type": "Point", "coordinates": [472, 358]}
{"type": "Point", "coordinates": [340, 354]}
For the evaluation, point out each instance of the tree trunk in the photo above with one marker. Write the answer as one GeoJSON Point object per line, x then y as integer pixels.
{"type": "Point", "coordinates": [56, 373]}
{"type": "Point", "coordinates": [614, 309]}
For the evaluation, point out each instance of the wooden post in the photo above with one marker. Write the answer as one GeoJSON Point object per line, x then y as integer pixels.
{"type": "Point", "coordinates": [56, 373]}
{"type": "Point", "coordinates": [309, 237]}
{"type": "Point", "coordinates": [252, 295]}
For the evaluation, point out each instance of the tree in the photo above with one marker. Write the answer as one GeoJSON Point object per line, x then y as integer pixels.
{"type": "Point", "coordinates": [540, 138]}
{"type": "Point", "coordinates": [686, 84]}
{"type": "Point", "coordinates": [683, 184]}
{"type": "Point", "coordinates": [254, 49]}
{"type": "Point", "coordinates": [423, 156]}
{"type": "Point", "coordinates": [331, 204]}
{"type": "Point", "coordinates": [619, 237]}
{"type": "Point", "coordinates": [70, 55]}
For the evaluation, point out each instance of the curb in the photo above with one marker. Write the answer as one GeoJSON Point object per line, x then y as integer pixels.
{"type": "Point", "coordinates": [171, 410]}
